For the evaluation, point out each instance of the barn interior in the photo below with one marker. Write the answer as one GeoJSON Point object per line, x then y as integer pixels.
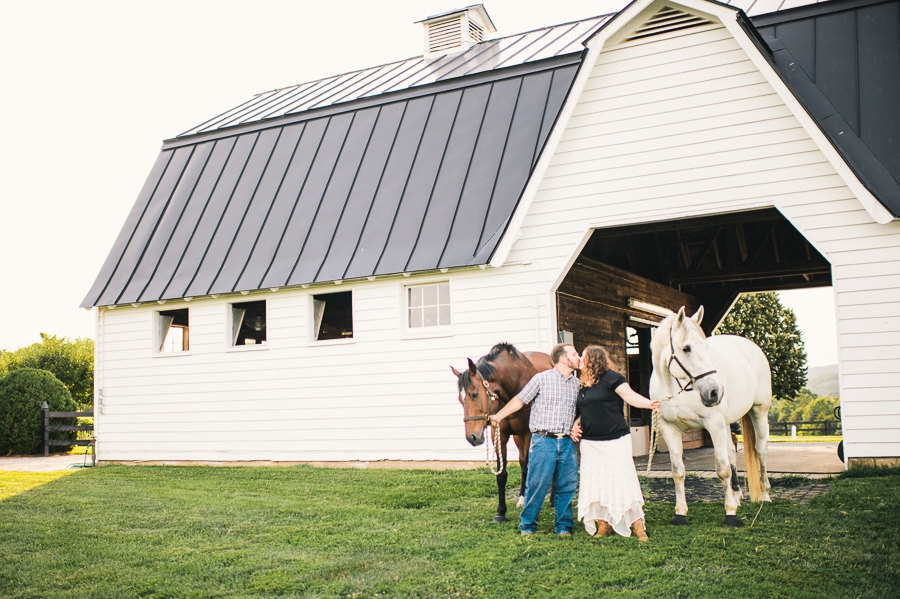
{"type": "Point", "coordinates": [626, 277]}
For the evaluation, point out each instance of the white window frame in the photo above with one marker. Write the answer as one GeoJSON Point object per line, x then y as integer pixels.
{"type": "Point", "coordinates": [229, 328]}
{"type": "Point", "coordinates": [311, 318]}
{"type": "Point", "coordinates": [441, 330]}
{"type": "Point", "coordinates": [156, 334]}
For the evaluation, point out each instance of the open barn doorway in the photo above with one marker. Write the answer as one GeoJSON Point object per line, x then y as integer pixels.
{"type": "Point", "coordinates": [627, 277]}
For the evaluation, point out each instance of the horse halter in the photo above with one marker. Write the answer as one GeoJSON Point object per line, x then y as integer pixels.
{"type": "Point", "coordinates": [486, 417]}
{"type": "Point", "coordinates": [673, 358]}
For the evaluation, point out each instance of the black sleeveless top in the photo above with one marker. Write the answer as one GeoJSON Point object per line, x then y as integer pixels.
{"type": "Point", "coordinates": [600, 408]}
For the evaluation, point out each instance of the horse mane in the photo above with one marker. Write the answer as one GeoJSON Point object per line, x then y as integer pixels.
{"type": "Point", "coordinates": [485, 366]}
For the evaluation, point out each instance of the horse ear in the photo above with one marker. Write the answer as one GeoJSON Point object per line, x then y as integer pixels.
{"type": "Point", "coordinates": [698, 315]}
{"type": "Point", "coordinates": [472, 370]}
{"type": "Point", "coordinates": [679, 318]}
{"type": "Point", "coordinates": [456, 372]}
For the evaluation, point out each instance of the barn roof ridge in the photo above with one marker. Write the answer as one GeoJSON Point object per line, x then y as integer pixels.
{"type": "Point", "coordinates": [415, 72]}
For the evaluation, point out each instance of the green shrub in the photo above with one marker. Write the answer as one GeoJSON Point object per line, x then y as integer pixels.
{"type": "Point", "coordinates": [72, 362]}
{"type": "Point", "coordinates": [22, 392]}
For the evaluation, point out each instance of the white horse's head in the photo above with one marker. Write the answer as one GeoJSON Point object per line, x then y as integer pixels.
{"type": "Point", "coordinates": [683, 351]}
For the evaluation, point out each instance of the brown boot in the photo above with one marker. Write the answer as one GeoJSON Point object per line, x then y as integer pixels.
{"type": "Point", "coordinates": [639, 531]}
{"type": "Point", "coordinates": [603, 528]}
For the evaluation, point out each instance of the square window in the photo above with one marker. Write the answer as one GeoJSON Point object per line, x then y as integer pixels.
{"type": "Point", "coordinates": [248, 323]}
{"type": "Point", "coordinates": [332, 316]}
{"type": "Point", "coordinates": [428, 305]}
{"type": "Point", "coordinates": [172, 331]}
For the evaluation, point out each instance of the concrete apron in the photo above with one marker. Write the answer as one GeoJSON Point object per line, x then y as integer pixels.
{"type": "Point", "coordinates": [815, 460]}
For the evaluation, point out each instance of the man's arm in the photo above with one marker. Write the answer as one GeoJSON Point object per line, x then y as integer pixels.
{"type": "Point", "coordinates": [514, 405]}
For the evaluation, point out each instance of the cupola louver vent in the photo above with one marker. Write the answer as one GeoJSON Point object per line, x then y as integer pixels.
{"type": "Point", "coordinates": [456, 31]}
{"type": "Point", "coordinates": [665, 21]}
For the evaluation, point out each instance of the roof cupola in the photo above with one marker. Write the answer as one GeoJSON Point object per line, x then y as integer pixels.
{"type": "Point", "coordinates": [456, 30]}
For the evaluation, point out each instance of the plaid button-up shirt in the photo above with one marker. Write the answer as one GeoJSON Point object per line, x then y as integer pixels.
{"type": "Point", "coordinates": [554, 399]}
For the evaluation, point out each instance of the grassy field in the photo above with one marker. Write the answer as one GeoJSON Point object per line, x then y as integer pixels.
{"type": "Point", "coordinates": [153, 531]}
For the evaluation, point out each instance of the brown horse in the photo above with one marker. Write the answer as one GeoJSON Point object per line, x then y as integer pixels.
{"type": "Point", "coordinates": [484, 388]}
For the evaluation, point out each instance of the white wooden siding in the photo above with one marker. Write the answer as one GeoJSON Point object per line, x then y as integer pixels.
{"type": "Point", "coordinates": [382, 395]}
{"type": "Point", "coordinates": [687, 126]}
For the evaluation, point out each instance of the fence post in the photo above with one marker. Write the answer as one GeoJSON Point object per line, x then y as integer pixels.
{"type": "Point", "coordinates": [45, 427]}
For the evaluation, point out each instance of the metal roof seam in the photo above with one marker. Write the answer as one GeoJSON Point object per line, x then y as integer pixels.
{"type": "Point", "coordinates": [178, 221]}
{"type": "Point", "coordinates": [265, 220]}
{"type": "Point", "coordinates": [338, 88]}
{"type": "Point", "coordinates": [155, 227]}
{"type": "Point", "coordinates": [290, 217]}
{"type": "Point", "coordinates": [197, 224]}
{"type": "Point", "coordinates": [415, 244]}
{"type": "Point", "coordinates": [310, 102]}
{"type": "Point", "coordinates": [375, 192]}
{"type": "Point", "coordinates": [462, 187]}
{"type": "Point", "coordinates": [133, 231]}
{"type": "Point", "coordinates": [236, 115]}
{"type": "Point", "coordinates": [360, 85]}
{"type": "Point", "coordinates": [487, 211]}
{"type": "Point", "coordinates": [537, 41]}
{"type": "Point", "coordinates": [221, 218]}
{"type": "Point", "coordinates": [312, 223]}
{"type": "Point", "coordinates": [246, 210]}
{"type": "Point", "coordinates": [349, 193]}
{"type": "Point", "coordinates": [202, 125]}
{"type": "Point", "coordinates": [537, 141]}
{"type": "Point", "coordinates": [405, 185]}
{"type": "Point", "coordinates": [260, 109]}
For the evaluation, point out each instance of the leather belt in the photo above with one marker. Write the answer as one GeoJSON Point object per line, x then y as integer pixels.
{"type": "Point", "coordinates": [551, 435]}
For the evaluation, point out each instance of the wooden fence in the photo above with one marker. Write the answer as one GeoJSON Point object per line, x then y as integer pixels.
{"type": "Point", "coordinates": [47, 428]}
{"type": "Point", "coordinates": [809, 427]}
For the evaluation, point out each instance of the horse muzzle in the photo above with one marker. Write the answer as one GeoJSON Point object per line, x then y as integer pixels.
{"type": "Point", "coordinates": [475, 439]}
{"type": "Point", "coordinates": [711, 391]}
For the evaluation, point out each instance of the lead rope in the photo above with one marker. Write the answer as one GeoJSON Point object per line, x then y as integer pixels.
{"type": "Point", "coordinates": [498, 456]}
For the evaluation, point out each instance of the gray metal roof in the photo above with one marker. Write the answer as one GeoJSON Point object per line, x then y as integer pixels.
{"type": "Point", "coordinates": [490, 55]}
{"type": "Point", "coordinates": [842, 61]}
{"type": "Point", "coordinates": [760, 7]}
{"type": "Point", "coordinates": [416, 182]}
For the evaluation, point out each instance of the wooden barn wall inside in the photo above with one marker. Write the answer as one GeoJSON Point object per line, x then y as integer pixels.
{"type": "Point", "coordinates": [684, 124]}
{"type": "Point", "coordinates": [592, 303]}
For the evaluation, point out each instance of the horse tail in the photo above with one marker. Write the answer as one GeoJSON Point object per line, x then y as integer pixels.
{"type": "Point", "coordinates": [751, 459]}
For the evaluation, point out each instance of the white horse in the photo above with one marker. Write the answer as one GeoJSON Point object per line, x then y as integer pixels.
{"type": "Point", "coordinates": [709, 383]}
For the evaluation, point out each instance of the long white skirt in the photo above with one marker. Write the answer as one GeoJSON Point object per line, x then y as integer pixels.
{"type": "Point", "coordinates": [609, 488]}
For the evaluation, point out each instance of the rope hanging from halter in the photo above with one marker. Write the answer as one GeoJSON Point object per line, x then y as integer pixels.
{"type": "Point", "coordinates": [654, 429]}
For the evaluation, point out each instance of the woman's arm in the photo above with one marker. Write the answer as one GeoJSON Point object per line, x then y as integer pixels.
{"type": "Point", "coordinates": [636, 399]}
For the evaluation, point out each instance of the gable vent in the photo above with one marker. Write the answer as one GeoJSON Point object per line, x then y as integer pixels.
{"type": "Point", "coordinates": [667, 20]}
{"type": "Point", "coordinates": [456, 30]}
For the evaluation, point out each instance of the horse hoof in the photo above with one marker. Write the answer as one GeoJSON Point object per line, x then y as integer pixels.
{"type": "Point", "coordinates": [733, 521]}
{"type": "Point", "coordinates": [679, 520]}
{"type": "Point", "coordinates": [520, 502]}
{"type": "Point", "coordinates": [500, 519]}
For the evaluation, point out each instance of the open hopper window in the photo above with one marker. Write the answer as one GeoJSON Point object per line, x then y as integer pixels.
{"type": "Point", "coordinates": [248, 323]}
{"type": "Point", "coordinates": [172, 331]}
{"type": "Point", "coordinates": [428, 305]}
{"type": "Point", "coordinates": [332, 316]}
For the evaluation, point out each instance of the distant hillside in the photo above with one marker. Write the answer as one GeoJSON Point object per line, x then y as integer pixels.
{"type": "Point", "coordinates": [823, 381]}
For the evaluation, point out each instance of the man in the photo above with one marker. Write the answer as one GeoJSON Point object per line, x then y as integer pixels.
{"type": "Point", "coordinates": [552, 453]}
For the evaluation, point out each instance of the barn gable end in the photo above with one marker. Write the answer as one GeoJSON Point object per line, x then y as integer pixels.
{"type": "Point", "coordinates": [685, 124]}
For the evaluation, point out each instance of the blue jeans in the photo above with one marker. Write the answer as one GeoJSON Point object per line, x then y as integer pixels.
{"type": "Point", "coordinates": [550, 459]}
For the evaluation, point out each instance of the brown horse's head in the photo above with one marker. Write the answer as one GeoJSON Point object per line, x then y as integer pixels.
{"type": "Point", "coordinates": [476, 398]}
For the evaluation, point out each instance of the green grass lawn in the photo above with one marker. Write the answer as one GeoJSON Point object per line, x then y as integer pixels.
{"type": "Point", "coordinates": [154, 531]}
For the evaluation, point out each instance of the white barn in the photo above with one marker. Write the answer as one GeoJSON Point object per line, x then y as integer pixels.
{"type": "Point", "coordinates": [298, 274]}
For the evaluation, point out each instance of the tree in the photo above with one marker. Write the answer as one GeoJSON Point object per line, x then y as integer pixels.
{"type": "Point", "coordinates": [72, 362]}
{"type": "Point", "coordinates": [22, 392]}
{"type": "Point", "coordinates": [761, 318]}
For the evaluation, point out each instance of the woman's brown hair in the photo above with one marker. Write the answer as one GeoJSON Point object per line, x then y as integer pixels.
{"type": "Point", "coordinates": [594, 363]}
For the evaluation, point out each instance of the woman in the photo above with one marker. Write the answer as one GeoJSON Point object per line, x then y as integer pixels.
{"type": "Point", "coordinates": [609, 496]}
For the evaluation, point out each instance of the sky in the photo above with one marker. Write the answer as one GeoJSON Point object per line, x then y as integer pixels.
{"type": "Point", "coordinates": [90, 89]}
